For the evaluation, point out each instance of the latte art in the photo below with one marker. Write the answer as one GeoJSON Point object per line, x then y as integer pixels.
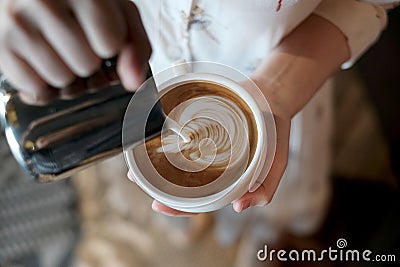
{"type": "Point", "coordinates": [209, 134]}
{"type": "Point", "coordinates": [213, 132]}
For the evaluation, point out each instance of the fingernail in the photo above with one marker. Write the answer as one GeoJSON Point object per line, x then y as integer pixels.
{"type": "Point", "coordinates": [28, 99]}
{"type": "Point", "coordinates": [97, 81]}
{"type": "Point", "coordinates": [36, 100]}
{"type": "Point", "coordinates": [254, 187]}
{"type": "Point", "coordinates": [73, 90]}
{"type": "Point", "coordinates": [154, 207]}
{"type": "Point", "coordinates": [130, 177]}
{"type": "Point", "coordinates": [241, 206]}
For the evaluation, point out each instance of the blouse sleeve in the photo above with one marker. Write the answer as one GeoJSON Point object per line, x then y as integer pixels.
{"type": "Point", "coordinates": [360, 21]}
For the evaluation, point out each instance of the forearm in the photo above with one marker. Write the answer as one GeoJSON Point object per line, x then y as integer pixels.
{"type": "Point", "coordinates": [301, 63]}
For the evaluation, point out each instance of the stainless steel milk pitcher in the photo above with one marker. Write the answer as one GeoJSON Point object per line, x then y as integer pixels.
{"type": "Point", "coordinates": [54, 141]}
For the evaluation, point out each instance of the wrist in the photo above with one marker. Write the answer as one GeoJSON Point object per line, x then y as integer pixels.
{"type": "Point", "coordinates": [287, 81]}
{"type": "Point", "coordinates": [276, 94]}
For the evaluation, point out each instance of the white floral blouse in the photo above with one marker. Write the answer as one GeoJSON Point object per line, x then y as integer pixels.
{"type": "Point", "coordinates": [240, 33]}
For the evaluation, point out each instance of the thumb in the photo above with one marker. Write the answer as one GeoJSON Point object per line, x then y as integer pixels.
{"type": "Point", "coordinates": [132, 64]}
{"type": "Point", "coordinates": [260, 197]}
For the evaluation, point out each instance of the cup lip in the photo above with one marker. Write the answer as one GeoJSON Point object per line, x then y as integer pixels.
{"type": "Point", "coordinates": [197, 202]}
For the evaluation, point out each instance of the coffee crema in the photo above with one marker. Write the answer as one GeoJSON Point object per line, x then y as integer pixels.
{"type": "Point", "coordinates": [213, 135]}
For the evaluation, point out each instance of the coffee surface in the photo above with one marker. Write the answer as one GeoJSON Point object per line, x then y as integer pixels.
{"type": "Point", "coordinates": [213, 134]}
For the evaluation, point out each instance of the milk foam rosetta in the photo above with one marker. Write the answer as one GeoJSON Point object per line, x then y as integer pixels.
{"type": "Point", "coordinates": [210, 133]}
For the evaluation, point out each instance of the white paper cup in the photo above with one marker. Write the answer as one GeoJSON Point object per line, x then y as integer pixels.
{"type": "Point", "coordinates": [220, 192]}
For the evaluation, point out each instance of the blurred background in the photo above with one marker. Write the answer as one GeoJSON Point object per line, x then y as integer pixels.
{"type": "Point", "coordinates": [98, 218]}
